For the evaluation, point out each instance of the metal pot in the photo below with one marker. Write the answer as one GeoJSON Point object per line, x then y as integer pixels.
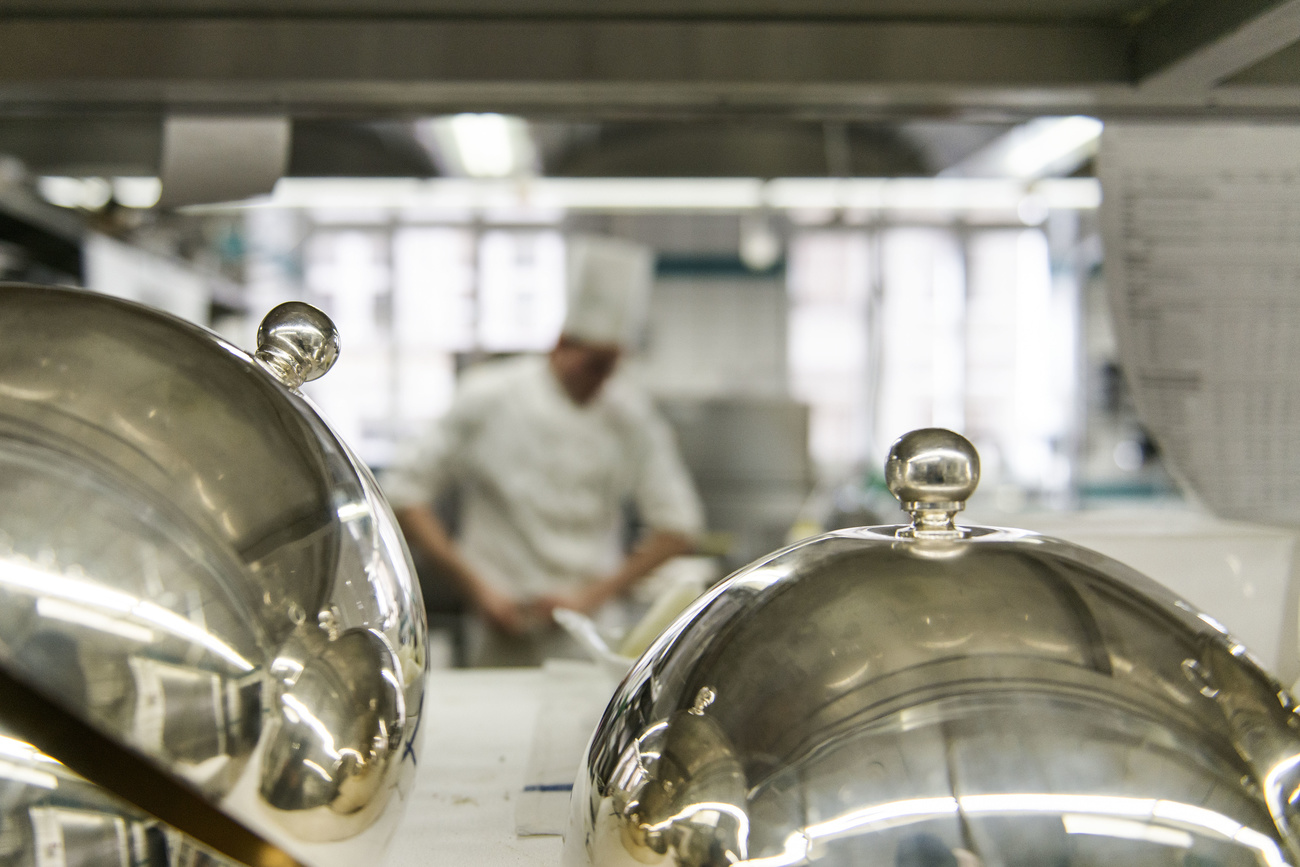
{"type": "Point", "coordinates": [935, 694]}
{"type": "Point", "coordinates": [200, 577]}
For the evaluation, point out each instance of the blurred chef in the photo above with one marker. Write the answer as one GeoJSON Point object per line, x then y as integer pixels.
{"type": "Point", "coordinates": [546, 451]}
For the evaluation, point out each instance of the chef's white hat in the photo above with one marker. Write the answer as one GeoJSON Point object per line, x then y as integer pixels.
{"type": "Point", "coordinates": [609, 285]}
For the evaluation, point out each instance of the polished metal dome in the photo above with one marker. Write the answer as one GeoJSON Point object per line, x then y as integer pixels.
{"type": "Point", "coordinates": [931, 695]}
{"type": "Point", "coordinates": [198, 577]}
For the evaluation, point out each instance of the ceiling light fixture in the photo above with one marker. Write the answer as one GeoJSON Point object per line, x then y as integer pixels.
{"type": "Point", "coordinates": [1053, 143]}
{"type": "Point", "coordinates": [464, 195]}
{"type": "Point", "coordinates": [478, 145]}
{"type": "Point", "coordinates": [137, 192]}
{"type": "Point", "coordinates": [1047, 147]}
{"type": "Point", "coordinates": [94, 193]}
{"type": "Point", "coordinates": [65, 192]}
{"type": "Point", "coordinates": [484, 144]}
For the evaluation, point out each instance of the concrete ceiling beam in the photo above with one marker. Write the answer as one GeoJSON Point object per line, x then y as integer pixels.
{"type": "Point", "coordinates": [1193, 45]}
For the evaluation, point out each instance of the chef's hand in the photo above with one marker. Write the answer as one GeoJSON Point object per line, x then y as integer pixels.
{"type": "Point", "coordinates": [650, 552]}
{"type": "Point", "coordinates": [584, 600]}
{"type": "Point", "coordinates": [503, 613]}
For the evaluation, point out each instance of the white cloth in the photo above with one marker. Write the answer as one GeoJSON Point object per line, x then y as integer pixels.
{"type": "Point", "coordinates": [542, 479]}
{"type": "Point", "coordinates": [608, 289]}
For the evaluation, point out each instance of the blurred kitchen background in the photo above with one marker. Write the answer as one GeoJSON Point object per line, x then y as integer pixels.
{"type": "Point", "coordinates": [867, 217]}
{"type": "Point", "coordinates": [798, 324]}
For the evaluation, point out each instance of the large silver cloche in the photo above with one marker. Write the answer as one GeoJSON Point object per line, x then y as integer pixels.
{"type": "Point", "coordinates": [934, 695]}
{"type": "Point", "coordinates": [196, 568]}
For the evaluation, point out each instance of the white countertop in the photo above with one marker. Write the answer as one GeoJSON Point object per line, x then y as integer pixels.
{"type": "Point", "coordinates": [478, 731]}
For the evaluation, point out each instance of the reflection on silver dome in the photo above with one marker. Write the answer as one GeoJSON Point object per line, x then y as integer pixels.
{"type": "Point", "coordinates": [194, 564]}
{"type": "Point", "coordinates": [51, 814]}
{"type": "Point", "coordinates": [934, 694]}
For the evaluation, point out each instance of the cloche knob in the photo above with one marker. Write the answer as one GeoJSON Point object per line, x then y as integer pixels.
{"type": "Point", "coordinates": [932, 472]}
{"type": "Point", "coordinates": [297, 343]}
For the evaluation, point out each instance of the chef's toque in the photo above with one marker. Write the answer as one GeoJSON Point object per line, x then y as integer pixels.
{"type": "Point", "coordinates": [608, 289]}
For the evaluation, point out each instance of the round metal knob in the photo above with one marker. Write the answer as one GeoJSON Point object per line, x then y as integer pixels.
{"type": "Point", "coordinates": [297, 343]}
{"type": "Point", "coordinates": [933, 471]}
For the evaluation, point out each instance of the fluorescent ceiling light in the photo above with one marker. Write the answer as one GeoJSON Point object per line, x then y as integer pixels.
{"type": "Point", "coordinates": [655, 193]}
{"type": "Point", "coordinates": [484, 145]}
{"type": "Point", "coordinates": [137, 192]}
{"type": "Point", "coordinates": [94, 193]}
{"type": "Point", "coordinates": [479, 145]}
{"type": "Point", "coordinates": [554, 196]}
{"type": "Point", "coordinates": [1047, 142]}
{"type": "Point", "coordinates": [89, 193]}
{"type": "Point", "coordinates": [1069, 194]}
{"type": "Point", "coordinates": [1041, 148]}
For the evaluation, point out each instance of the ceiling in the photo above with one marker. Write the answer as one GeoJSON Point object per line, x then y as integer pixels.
{"type": "Point", "coordinates": [629, 87]}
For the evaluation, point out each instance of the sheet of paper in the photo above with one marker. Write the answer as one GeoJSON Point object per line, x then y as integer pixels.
{"type": "Point", "coordinates": [576, 694]}
{"type": "Point", "coordinates": [1201, 226]}
{"type": "Point", "coordinates": [223, 158]}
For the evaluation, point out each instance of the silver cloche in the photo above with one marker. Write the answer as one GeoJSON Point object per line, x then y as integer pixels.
{"type": "Point", "coordinates": [207, 612]}
{"type": "Point", "coordinates": [935, 695]}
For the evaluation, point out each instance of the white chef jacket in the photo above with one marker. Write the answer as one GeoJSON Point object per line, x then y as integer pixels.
{"type": "Point", "coordinates": [543, 479]}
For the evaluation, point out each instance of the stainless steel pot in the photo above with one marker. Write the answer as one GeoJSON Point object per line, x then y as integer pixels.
{"type": "Point", "coordinates": [194, 565]}
{"type": "Point", "coordinates": [934, 694]}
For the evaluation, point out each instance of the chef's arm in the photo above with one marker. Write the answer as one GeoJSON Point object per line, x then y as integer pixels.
{"type": "Point", "coordinates": [654, 549]}
{"type": "Point", "coordinates": [425, 532]}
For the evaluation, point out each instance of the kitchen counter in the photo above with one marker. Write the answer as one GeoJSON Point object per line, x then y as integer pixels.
{"type": "Point", "coordinates": [478, 751]}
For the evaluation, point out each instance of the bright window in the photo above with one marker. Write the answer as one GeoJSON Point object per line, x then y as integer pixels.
{"type": "Point", "coordinates": [408, 299]}
{"type": "Point", "coordinates": [897, 328]}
